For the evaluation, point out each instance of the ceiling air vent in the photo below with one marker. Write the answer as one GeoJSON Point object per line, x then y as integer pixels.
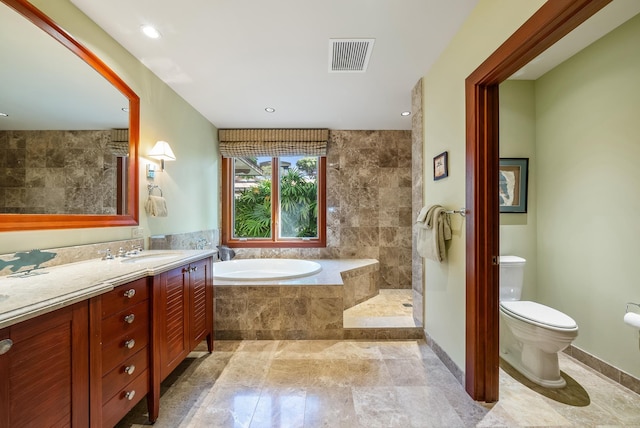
{"type": "Point", "coordinates": [349, 55]}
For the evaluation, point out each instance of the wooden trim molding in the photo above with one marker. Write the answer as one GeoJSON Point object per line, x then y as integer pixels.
{"type": "Point", "coordinates": [14, 222]}
{"type": "Point", "coordinates": [549, 24]}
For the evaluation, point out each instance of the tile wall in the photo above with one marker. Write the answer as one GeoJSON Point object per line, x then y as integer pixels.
{"type": "Point", "coordinates": [417, 198]}
{"type": "Point", "coordinates": [369, 204]}
{"type": "Point", "coordinates": [41, 175]}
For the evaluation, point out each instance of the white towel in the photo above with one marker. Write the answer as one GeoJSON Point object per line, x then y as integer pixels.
{"type": "Point", "coordinates": [156, 206]}
{"type": "Point", "coordinates": [434, 228]}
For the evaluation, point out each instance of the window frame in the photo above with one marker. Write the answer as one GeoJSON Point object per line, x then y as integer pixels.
{"type": "Point", "coordinates": [274, 241]}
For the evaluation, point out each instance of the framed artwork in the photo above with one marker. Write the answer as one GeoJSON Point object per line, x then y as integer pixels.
{"type": "Point", "coordinates": [441, 166]}
{"type": "Point", "coordinates": [513, 181]}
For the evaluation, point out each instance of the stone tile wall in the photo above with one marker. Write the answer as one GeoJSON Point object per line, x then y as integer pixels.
{"type": "Point", "coordinates": [369, 204]}
{"type": "Point", "coordinates": [57, 172]}
{"type": "Point", "coordinates": [417, 197]}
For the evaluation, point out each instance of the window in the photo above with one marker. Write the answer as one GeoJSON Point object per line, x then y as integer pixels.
{"type": "Point", "coordinates": [258, 213]}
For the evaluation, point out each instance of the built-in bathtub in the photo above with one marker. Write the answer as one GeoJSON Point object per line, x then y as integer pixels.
{"type": "Point", "coordinates": [302, 307]}
{"type": "Point", "coordinates": [264, 269]}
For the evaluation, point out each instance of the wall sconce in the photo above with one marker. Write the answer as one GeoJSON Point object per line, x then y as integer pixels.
{"type": "Point", "coordinates": [162, 151]}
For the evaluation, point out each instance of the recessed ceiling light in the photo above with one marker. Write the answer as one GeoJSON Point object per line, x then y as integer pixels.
{"type": "Point", "coordinates": [270, 110]}
{"type": "Point", "coordinates": [405, 113]}
{"type": "Point", "coordinates": [3, 114]}
{"type": "Point", "coordinates": [150, 31]}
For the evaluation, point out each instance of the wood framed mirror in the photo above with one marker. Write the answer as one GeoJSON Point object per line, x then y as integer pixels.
{"type": "Point", "coordinates": [69, 130]}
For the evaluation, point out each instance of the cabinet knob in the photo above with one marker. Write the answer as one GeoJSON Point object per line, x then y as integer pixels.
{"type": "Point", "coordinates": [130, 343]}
{"type": "Point", "coordinates": [130, 369]}
{"type": "Point", "coordinates": [5, 345]}
{"type": "Point", "coordinates": [129, 395]}
{"type": "Point", "coordinates": [129, 318]}
{"type": "Point", "coordinates": [130, 293]}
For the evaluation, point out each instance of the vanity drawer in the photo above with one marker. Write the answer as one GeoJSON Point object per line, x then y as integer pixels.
{"type": "Point", "coordinates": [124, 296]}
{"type": "Point", "coordinates": [118, 350]}
{"type": "Point", "coordinates": [120, 324]}
{"type": "Point", "coordinates": [119, 377]}
{"type": "Point", "coordinates": [124, 400]}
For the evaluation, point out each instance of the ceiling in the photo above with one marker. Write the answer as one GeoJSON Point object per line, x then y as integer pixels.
{"type": "Point", "coordinates": [231, 59]}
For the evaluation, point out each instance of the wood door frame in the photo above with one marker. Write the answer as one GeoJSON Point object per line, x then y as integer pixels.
{"type": "Point", "coordinates": [550, 23]}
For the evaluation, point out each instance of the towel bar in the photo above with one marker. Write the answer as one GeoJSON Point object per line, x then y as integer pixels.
{"type": "Point", "coordinates": [461, 211]}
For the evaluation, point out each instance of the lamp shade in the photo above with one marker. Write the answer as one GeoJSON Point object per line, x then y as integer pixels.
{"type": "Point", "coordinates": [162, 151]}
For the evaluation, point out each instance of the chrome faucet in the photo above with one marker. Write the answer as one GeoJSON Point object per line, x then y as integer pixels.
{"type": "Point", "coordinates": [225, 253]}
{"type": "Point", "coordinates": [107, 254]}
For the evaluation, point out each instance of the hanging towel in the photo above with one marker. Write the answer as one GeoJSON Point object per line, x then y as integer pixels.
{"type": "Point", "coordinates": [156, 206]}
{"type": "Point", "coordinates": [434, 228]}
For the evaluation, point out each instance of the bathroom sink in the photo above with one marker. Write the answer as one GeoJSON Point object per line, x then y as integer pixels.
{"type": "Point", "coordinates": [150, 257]}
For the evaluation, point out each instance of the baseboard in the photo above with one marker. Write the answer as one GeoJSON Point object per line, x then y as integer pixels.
{"type": "Point", "coordinates": [456, 371]}
{"type": "Point", "coordinates": [607, 370]}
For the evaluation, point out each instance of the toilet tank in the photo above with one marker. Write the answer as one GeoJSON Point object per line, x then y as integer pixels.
{"type": "Point", "coordinates": [511, 277]}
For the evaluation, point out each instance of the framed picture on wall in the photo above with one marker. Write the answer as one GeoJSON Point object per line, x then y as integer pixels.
{"type": "Point", "coordinates": [440, 166]}
{"type": "Point", "coordinates": [513, 181]}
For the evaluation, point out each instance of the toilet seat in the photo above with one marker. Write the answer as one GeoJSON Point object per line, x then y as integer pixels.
{"type": "Point", "coordinates": [539, 314]}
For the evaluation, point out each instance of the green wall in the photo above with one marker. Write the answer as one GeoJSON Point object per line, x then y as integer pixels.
{"type": "Point", "coordinates": [588, 152]}
{"type": "Point", "coordinates": [190, 184]}
{"type": "Point", "coordinates": [517, 140]}
{"type": "Point", "coordinates": [488, 26]}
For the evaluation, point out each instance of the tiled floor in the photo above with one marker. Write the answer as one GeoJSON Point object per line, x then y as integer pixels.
{"type": "Point", "coordinates": [390, 308]}
{"type": "Point", "coordinates": [387, 384]}
{"type": "Point", "coordinates": [367, 384]}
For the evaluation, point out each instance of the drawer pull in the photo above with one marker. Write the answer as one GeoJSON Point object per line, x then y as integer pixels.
{"type": "Point", "coordinates": [129, 395]}
{"type": "Point", "coordinates": [5, 345]}
{"type": "Point", "coordinates": [129, 318]}
{"type": "Point", "coordinates": [130, 293]}
{"type": "Point", "coordinates": [130, 369]}
{"type": "Point", "coordinates": [130, 343]}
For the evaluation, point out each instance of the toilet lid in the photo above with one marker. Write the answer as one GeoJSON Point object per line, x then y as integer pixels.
{"type": "Point", "coordinates": [539, 313]}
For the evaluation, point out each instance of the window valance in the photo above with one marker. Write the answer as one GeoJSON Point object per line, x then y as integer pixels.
{"type": "Point", "coordinates": [273, 142]}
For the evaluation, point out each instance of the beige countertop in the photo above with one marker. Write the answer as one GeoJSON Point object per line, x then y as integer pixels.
{"type": "Point", "coordinates": [26, 296]}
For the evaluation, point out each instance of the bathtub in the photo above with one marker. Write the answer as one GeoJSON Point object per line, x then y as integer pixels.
{"type": "Point", "coordinates": [267, 269]}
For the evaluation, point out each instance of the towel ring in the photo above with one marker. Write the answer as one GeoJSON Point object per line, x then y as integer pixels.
{"type": "Point", "coordinates": [151, 187]}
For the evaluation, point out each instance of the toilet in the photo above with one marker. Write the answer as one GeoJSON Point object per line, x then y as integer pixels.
{"type": "Point", "coordinates": [531, 334]}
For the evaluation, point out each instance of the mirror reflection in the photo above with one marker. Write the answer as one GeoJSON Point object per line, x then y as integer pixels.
{"type": "Point", "coordinates": [64, 128]}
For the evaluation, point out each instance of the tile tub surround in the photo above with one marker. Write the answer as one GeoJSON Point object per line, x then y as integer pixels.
{"type": "Point", "coordinates": [369, 198]}
{"type": "Point", "coordinates": [73, 254]}
{"type": "Point", "coordinates": [310, 307]}
{"type": "Point", "coordinates": [55, 287]}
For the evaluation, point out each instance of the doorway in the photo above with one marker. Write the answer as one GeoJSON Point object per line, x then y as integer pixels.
{"type": "Point", "coordinates": [549, 24]}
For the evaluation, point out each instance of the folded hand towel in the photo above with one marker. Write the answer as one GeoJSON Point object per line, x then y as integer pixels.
{"type": "Point", "coordinates": [433, 231]}
{"type": "Point", "coordinates": [156, 206]}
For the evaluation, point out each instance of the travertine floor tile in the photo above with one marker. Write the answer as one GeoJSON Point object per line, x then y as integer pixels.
{"type": "Point", "coordinates": [367, 384]}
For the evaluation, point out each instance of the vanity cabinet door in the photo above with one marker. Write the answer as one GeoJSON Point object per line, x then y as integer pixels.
{"type": "Point", "coordinates": [170, 325]}
{"type": "Point", "coordinates": [182, 318]}
{"type": "Point", "coordinates": [201, 303]}
{"type": "Point", "coordinates": [45, 370]}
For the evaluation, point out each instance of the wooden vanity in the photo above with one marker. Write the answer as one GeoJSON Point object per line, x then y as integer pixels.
{"type": "Point", "coordinates": [88, 363]}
